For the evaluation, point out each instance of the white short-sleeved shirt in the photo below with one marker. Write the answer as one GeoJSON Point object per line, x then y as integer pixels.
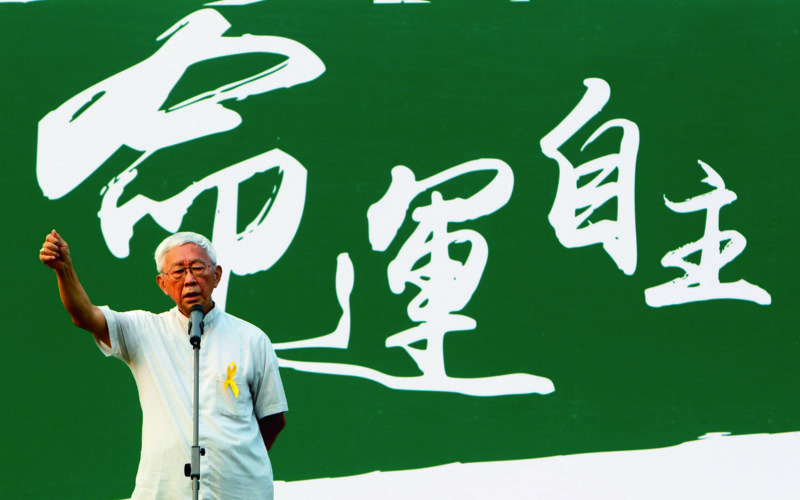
{"type": "Point", "coordinates": [157, 350]}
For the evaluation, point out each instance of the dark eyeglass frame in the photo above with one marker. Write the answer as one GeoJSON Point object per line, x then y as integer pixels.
{"type": "Point", "coordinates": [198, 270]}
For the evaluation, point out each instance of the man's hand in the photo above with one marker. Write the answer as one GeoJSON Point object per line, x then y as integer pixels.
{"type": "Point", "coordinates": [55, 252]}
{"type": "Point", "coordinates": [55, 255]}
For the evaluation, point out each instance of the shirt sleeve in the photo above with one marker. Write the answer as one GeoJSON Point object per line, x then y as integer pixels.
{"type": "Point", "coordinates": [122, 328]}
{"type": "Point", "coordinates": [268, 395]}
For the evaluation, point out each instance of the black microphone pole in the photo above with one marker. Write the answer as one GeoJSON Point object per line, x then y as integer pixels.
{"type": "Point", "coordinates": [192, 470]}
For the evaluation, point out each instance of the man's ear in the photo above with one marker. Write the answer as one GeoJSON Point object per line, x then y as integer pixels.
{"type": "Point", "coordinates": [218, 274]}
{"type": "Point", "coordinates": [161, 284]}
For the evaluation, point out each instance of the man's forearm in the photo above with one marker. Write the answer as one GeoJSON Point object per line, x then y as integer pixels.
{"type": "Point", "coordinates": [84, 314]}
{"type": "Point", "coordinates": [55, 255]}
{"type": "Point", "coordinates": [270, 426]}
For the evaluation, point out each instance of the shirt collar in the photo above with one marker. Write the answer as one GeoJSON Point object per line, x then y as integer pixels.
{"type": "Point", "coordinates": [208, 320]}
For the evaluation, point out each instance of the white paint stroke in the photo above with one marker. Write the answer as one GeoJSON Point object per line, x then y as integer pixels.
{"type": "Point", "coordinates": [714, 466]}
{"type": "Point", "coordinates": [125, 109]}
{"type": "Point", "coordinates": [231, 3]}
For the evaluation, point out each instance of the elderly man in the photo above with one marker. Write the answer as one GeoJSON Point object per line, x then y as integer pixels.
{"type": "Point", "coordinates": [241, 396]}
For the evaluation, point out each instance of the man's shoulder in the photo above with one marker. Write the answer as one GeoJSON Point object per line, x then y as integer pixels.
{"type": "Point", "coordinates": [138, 316]}
{"type": "Point", "coordinates": [107, 310]}
{"type": "Point", "coordinates": [240, 324]}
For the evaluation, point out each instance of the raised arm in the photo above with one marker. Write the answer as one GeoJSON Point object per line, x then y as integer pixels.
{"type": "Point", "coordinates": [55, 255]}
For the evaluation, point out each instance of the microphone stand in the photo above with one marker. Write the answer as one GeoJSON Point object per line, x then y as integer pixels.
{"type": "Point", "coordinates": [192, 470]}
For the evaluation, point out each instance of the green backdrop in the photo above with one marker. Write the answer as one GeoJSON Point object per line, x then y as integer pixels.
{"type": "Point", "coordinates": [428, 86]}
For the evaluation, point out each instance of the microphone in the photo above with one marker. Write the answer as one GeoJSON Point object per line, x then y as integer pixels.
{"type": "Point", "coordinates": [196, 315]}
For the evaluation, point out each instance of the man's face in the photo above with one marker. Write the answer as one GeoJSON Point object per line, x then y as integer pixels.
{"type": "Point", "coordinates": [195, 284]}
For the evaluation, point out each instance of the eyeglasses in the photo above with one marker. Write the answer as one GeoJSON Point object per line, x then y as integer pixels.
{"type": "Point", "coordinates": [197, 270]}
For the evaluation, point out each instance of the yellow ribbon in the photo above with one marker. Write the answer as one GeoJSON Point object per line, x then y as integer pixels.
{"type": "Point", "coordinates": [229, 380]}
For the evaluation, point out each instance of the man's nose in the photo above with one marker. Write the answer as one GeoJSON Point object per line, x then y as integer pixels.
{"type": "Point", "coordinates": [189, 277]}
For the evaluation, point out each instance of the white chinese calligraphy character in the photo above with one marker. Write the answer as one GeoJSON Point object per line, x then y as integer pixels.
{"type": "Point", "coordinates": [445, 284]}
{"type": "Point", "coordinates": [576, 201]}
{"type": "Point", "coordinates": [127, 109]}
{"type": "Point", "coordinates": [701, 281]}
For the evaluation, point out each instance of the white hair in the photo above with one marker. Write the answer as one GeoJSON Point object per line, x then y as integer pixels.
{"type": "Point", "coordinates": [179, 239]}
